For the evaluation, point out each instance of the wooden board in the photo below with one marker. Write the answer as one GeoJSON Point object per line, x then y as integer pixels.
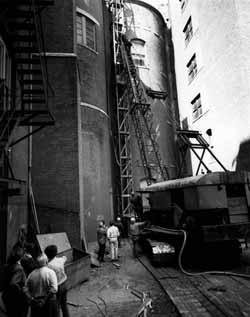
{"type": "Point", "coordinates": [59, 239]}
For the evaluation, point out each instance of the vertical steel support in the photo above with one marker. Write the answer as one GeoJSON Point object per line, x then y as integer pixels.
{"type": "Point", "coordinates": [122, 113]}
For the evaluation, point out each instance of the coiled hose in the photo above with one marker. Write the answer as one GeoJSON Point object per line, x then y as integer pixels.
{"type": "Point", "coordinates": [205, 272]}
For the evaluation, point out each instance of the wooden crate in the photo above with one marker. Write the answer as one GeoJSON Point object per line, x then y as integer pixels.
{"type": "Point", "coordinates": [78, 262]}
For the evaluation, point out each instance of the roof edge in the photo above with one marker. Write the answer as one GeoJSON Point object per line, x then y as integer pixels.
{"type": "Point", "coordinates": [149, 6]}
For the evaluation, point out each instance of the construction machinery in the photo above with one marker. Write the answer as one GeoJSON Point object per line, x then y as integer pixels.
{"type": "Point", "coordinates": [212, 210]}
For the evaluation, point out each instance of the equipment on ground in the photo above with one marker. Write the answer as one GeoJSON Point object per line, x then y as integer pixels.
{"type": "Point", "coordinates": [78, 262]}
{"type": "Point", "coordinates": [212, 209]}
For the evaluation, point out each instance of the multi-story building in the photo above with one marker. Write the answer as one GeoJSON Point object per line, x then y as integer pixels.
{"type": "Point", "coordinates": [23, 112]}
{"type": "Point", "coordinates": [211, 45]}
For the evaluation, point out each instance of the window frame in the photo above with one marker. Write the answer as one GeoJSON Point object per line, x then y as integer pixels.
{"type": "Point", "coordinates": [192, 68]}
{"type": "Point", "coordinates": [188, 30]}
{"type": "Point", "coordinates": [197, 110]}
{"type": "Point", "coordinates": [141, 56]}
{"type": "Point", "coordinates": [82, 18]}
{"type": "Point", "coordinates": [183, 4]}
{"type": "Point", "coordinates": [3, 59]}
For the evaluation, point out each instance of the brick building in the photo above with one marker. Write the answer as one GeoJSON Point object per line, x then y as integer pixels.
{"type": "Point", "coordinates": [71, 172]}
{"type": "Point", "coordinates": [211, 42]}
{"type": "Point", "coordinates": [23, 112]}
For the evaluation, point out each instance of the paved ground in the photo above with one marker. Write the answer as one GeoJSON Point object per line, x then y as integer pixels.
{"type": "Point", "coordinates": [110, 289]}
{"type": "Point", "coordinates": [194, 296]}
{"type": "Point", "coordinates": [205, 295]}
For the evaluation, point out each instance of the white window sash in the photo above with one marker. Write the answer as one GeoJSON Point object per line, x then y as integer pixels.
{"type": "Point", "coordinates": [84, 31]}
{"type": "Point", "coordinates": [2, 60]}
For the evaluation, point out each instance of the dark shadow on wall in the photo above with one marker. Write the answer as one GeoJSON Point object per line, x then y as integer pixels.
{"type": "Point", "coordinates": [243, 156]}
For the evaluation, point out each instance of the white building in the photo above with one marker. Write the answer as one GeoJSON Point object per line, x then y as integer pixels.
{"type": "Point", "coordinates": [212, 43]}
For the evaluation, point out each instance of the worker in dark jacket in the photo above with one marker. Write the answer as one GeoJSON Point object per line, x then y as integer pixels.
{"type": "Point", "coordinates": [135, 229]}
{"type": "Point", "coordinates": [101, 239]}
{"type": "Point", "coordinates": [14, 281]}
{"type": "Point", "coordinates": [137, 206]}
{"type": "Point", "coordinates": [134, 232]}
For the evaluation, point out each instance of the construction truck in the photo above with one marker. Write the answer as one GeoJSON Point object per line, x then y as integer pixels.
{"type": "Point", "coordinates": [212, 210]}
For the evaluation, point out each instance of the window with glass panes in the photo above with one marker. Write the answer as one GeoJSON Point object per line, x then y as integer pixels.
{"type": "Point", "coordinates": [138, 52]}
{"type": "Point", "coordinates": [86, 31]}
{"type": "Point", "coordinates": [196, 107]}
{"type": "Point", "coordinates": [183, 4]}
{"type": "Point", "coordinates": [188, 31]}
{"type": "Point", "coordinates": [192, 67]}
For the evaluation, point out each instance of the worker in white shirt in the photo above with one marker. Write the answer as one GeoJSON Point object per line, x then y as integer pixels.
{"type": "Point", "coordinates": [57, 265]}
{"type": "Point", "coordinates": [112, 235]}
{"type": "Point", "coordinates": [41, 288]}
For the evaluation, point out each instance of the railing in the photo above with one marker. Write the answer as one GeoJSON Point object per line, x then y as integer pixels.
{"type": "Point", "coordinates": [7, 108]}
{"type": "Point", "coordinates": [41, 46]}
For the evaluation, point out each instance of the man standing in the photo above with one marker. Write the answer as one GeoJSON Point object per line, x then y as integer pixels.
{"type": "Point", "coordinates": [101, 238]}
{"type": "Point", "coordinates": [120, 227]}
{"type": "Point", "coordinates": [57, 265]}
{"type": "Point", "coordinates": [41, 288]}
{"type": "Point", "coordinates": [134, 233]}
{"type": "Point", "coordinates": [137, 206]}
{"type": "Point", "coordinates": [113, 234]}
{"type": "Point", "coordinates": [14, 281]}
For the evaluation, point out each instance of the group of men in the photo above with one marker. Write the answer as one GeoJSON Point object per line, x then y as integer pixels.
{"type": "Point", "coordinates": [35, 282]}
{"type": "Point", "coordinates": [114, 233]}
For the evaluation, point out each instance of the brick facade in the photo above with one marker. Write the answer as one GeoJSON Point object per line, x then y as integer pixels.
{"type": "Point", "coordinates": [72, 174]}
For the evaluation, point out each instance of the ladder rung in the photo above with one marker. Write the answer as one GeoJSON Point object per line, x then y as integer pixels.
{"type": "Point", "coordinates": [33, 91]}
{"type": "Point", "coordinates": [31, 101]}
{"type": "Point", "coordinates": [32, 82]}
{"type": "Point", "coordinates": [22, 26]}
{"type": "Point", "coordinates": [30, 71]}
{"type": "Point", "coordinates": [22, 13]}
{"type": "Point", "coordinates": [23, 38]}
{"type": "Point", "coordinates": [28, 60]}
{"type": "Point", "coordinates": [25, 49]}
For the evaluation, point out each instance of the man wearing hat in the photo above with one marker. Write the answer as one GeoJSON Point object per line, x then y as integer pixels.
{"type": "Point", "coordinates": [41, 288]}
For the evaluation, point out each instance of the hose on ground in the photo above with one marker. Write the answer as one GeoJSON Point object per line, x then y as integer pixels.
{"type": "Point", "coordinates": [204, 272]}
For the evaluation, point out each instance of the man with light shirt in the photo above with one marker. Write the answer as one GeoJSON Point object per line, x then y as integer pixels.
{"type": "Point", "coordinates": [41, 288]}
{"type": "Point", "coordinates": [113, 234]}
{"type": "Point", "coordinates": [57, 265]}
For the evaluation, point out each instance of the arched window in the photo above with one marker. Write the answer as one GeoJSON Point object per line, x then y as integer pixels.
{"type": "Point", "coordinates": [138, 52]}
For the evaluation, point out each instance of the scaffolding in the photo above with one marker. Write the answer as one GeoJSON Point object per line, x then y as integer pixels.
{"type": "Point", "coordinates": [133, 114]}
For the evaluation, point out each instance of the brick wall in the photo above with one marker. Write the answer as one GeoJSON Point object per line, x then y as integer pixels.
{"type": "Point", "coordinates": [58, 27]}
{"type": "Point", "coordinates": [55, 173]}
{"type": "Point", "coordinates": [72, 175]}
{"type": "Point", "coordinates": [96, 98]}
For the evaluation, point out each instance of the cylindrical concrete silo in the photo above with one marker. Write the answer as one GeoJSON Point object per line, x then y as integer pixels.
{"type": "Point", "coordinates": [146, 29]}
